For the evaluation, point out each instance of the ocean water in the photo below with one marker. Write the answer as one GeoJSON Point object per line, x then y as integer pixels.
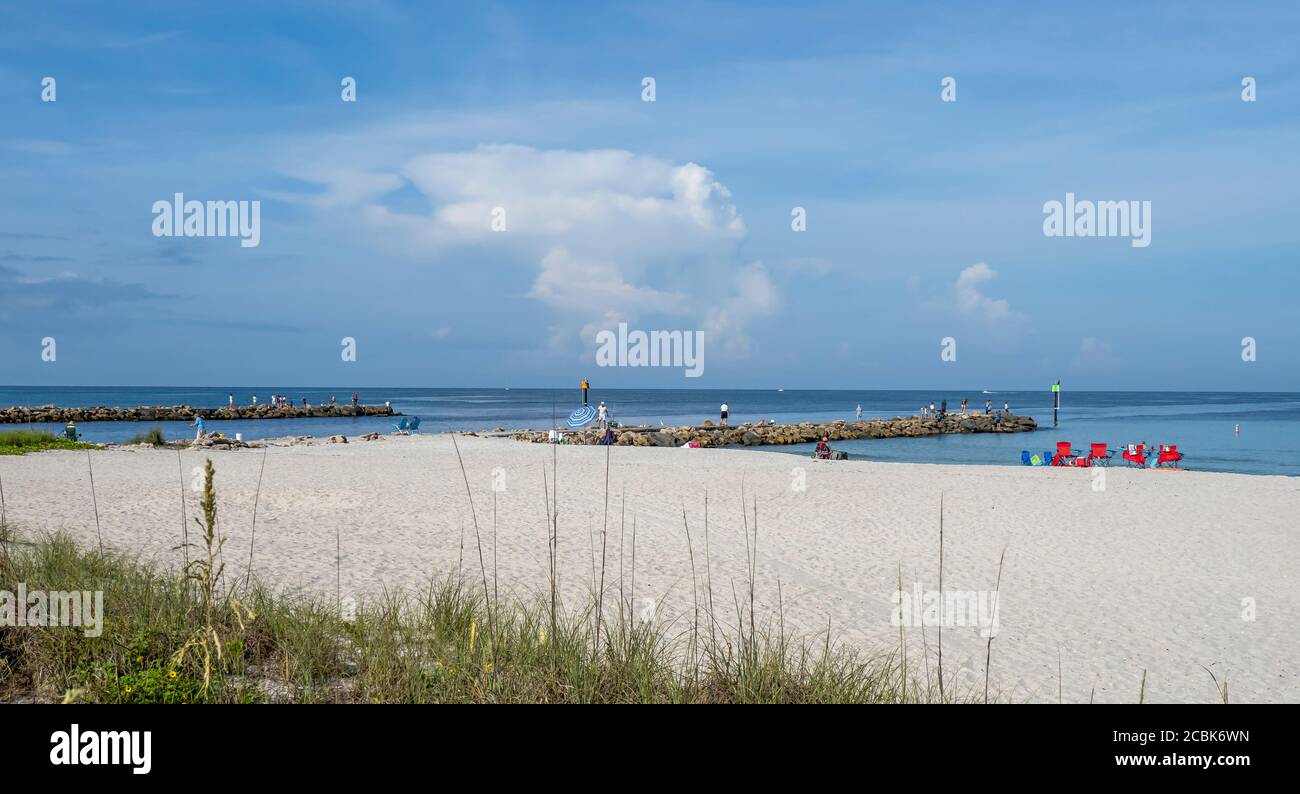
{"type": "Point", "coordinates": [1200, 423]}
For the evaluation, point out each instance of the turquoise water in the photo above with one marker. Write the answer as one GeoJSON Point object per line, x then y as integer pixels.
{"type": "Point", "coordinates": [1200, 423]}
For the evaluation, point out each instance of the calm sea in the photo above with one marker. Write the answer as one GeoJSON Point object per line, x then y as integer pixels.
{"type": "Point", "coordinates": [1200, 423]}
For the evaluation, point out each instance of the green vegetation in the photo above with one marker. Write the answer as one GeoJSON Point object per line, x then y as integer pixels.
{"type": "Point", "coordinates": [163, 641]}
{"type": "Point", "coordinates": [18, 442]}
{"type": "Point", "coordinates": [153, 436]}
{"type": "Point", "coordinates": [196, 637]}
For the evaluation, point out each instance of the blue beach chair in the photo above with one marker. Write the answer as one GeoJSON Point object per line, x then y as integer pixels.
{"type": "Point", "coordinates": [414, 426]}
{"type": "Point", "coordinates": [401, 427]}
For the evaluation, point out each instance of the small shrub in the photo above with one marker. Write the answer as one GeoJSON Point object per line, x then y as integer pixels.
{"type": "Point", "coordinates": [153, 436]}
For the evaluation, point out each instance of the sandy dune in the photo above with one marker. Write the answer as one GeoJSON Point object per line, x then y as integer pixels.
{"type": "Point", "coordinates": [1149, 573]}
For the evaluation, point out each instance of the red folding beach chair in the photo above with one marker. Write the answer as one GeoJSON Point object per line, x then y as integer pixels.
{"type": "Point", "coordinates": [1099, 456]}
{"type": "Point", "coordinates": [1064, 455]}
{"type": "Point", "coordinates": [1169, 455]}
{"type": "Point", "coordinates": [1136, 455]}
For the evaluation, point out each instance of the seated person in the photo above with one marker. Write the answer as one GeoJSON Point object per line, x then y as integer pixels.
{"type": "Point", "coordinates": [823, 449]}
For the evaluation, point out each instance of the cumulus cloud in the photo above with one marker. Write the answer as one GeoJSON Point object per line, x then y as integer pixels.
{"type": "Point", "coordinates": [614, 235]}
{"type": "Point", "coordinates": [754, 296]}
{"type": "Point", "coordinates": [571, 283]}
{"type": "Point", "coordinates": [971, 299]}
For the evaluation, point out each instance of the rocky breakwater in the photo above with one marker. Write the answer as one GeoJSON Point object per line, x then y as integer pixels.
{"type": "Point", "coordinates": [710, 435]}
{"type": "Point", "coordinates": [180, 413]}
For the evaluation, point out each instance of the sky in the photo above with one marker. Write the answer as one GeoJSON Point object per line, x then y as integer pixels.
{"type": "Point", "coordinates": [500, 192]}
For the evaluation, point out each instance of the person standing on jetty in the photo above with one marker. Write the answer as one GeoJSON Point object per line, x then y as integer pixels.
{"type": "Point", "coordinates": [356, 399]}
{"type": "Point", "coordinates": [723, 411]}
{"type": "Point", "coordinates": [859, 412]}
{"type": "Point", "coordinates": [602, 415]}
{"type": "Point", "coordinates": [230, 400]}
{"type": "Point", "coordinates": [963, 406]}
{"type": "Point", "coordinates": [584, 385]}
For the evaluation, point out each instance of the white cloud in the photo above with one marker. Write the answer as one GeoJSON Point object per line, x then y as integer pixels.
{"type": "Point", "coordinates": [615, 235]}
{"type": "Point", "coordinates": [754, 296]}
{"type": "Point", "coordinates": [575, 284]}
{"type": "Point", "coordinates": [972, 300]}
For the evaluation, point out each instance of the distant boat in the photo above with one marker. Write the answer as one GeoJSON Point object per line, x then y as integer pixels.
{"type": "Point", "coordinates": [780, 389]}
{"type": "Point", "coordinates": [986, 391]}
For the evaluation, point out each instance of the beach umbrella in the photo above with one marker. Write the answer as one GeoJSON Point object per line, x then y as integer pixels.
{"type": "Point", "coordinates": [582, 416]}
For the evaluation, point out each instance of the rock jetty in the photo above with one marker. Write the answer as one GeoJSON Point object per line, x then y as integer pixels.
{"type": "Point", "coordinates": [749, 435]}
{"type": "Point", "coordinates": [181, 413]}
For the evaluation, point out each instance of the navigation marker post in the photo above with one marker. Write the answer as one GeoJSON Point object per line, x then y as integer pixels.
{"type": "Point", "coordinates": [1056, 402]}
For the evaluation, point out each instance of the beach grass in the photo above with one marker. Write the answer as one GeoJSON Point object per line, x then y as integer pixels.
{"type": "Point", "coordinates": [19, 442]}
{"type": "Point", "coordinates": [435, 646]}
{"type": "Point", "coordinates": [195, 635]}
{"type": "Point", "coordinates": [153, 437]}
{"type": "Point", "coordinates": [190, 636]}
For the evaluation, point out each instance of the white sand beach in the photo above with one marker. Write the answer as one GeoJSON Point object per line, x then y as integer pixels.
{"type": "Point", "coordinates": [1151, 573]}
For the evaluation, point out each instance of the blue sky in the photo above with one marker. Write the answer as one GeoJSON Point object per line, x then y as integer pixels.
{"type": "Point", "coordinates": [924, 217]}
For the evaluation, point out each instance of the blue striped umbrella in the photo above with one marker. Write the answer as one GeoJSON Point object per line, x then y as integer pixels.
{"type": "Point", "coordinates": [582, 416]}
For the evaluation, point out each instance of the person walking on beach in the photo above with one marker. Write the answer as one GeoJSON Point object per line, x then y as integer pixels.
{"type": "Point", "coordinates": [723, 410]}
{"type": "Point", "coordinates": [585, 386]}
{"type": "Point", "coordinates": [859, 412]}
{"type": "Point", "coordinates": [201, 432]}
{"type": "Point", "coordinates": [602, 415]}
